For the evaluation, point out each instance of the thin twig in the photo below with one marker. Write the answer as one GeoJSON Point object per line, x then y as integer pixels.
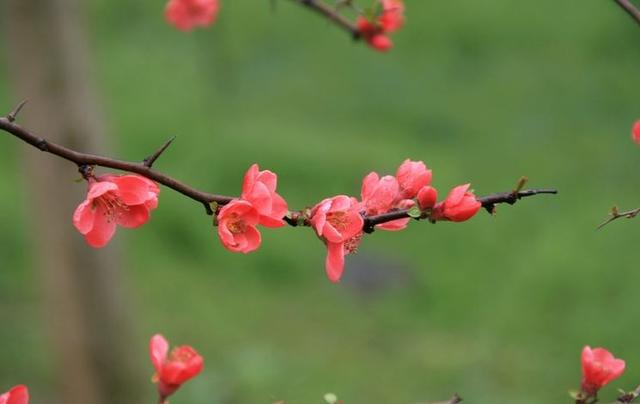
{"type": "Point", "coordinates": [86, 162]}
{"type": "Point", "coordinates": [632, 10]}
{"type": "Point", "coordinates": [14, 114]}
{"type": "Point", "coordinates": [453, 400]}
{"type": "Point", "coordinates": [629, 397]}
{"type": "Point", "coordinates": [615, 215]}
{"type": "Point", "coordinates": [332, 15]}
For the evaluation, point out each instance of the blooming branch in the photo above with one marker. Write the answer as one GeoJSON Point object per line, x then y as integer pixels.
{"type": "Point", "coordinates": [331, 14]}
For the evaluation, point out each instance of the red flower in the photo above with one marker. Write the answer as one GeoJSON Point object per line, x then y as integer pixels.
{"type": "Point", "coordinates": [112, 200]}
{"type": "Point", "coordinates": [635, 132]}
{"type": "Point", "coordinates": [186, 14]}
{"type": "Point", "coordinates": [237, 230]}
{"type": "Point", "coordinates": [378, 194]}
{"type": "Point", "coordinates": [459, 206]}
{"type": "Point", "coordinates": [183, 364]}
{"type": "Point", "coordinates": [17, 395]}
{"type": "Point", "coordinates": [390, 19]}
{"type": "Point", "coordinates": [338, 222]}
{"type": "Point", "coordinates": [259, 188]}
{"type": "Point", "coordinates": [599, 367]}
{"type": "Point", "coordinates": [427, 197]}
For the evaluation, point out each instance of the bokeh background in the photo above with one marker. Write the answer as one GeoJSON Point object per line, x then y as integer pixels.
{"type": "Point", "coordinates": [496, 309]}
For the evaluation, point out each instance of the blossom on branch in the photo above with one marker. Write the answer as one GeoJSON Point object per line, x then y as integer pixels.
{"type": "Point", "coordinates": [427, 197]}
{"type": "Point", "coordinates": [460, 205]}
{"type": "Point", "coordinates": [124, 200]}
{"type": "Point", "coordinates": [237, 223]}
{"type": "Point", "coordinates": [412, 177]}
{"type": "Point", "coordinates": [259, 189]}
{"type": "Point", "coordinates": [375, 30]}
{"type": "Point", "coordinates": [187, 14]}
{"type": "Point", "coordinates": [17, 395]}
{"type": "Point", "coordinates": [338, 222]}
{"type": "Point", "coordinates": [599, 367]}
{"type": "Point", "coordinates": [174, 369]}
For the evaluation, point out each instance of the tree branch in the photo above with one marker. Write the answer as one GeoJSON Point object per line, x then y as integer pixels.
{"type": "Point", "coordinates": [615, 215]}
{"type": "Point", "coordinates": [86, 162]}
{"type": "Point", "coordinates": [630, 9]}
{"type": "Point", "coordinates": [332, 15]}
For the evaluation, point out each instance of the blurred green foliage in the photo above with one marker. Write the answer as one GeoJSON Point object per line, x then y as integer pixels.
{"type": "Point", "coordinates": [496, 309]}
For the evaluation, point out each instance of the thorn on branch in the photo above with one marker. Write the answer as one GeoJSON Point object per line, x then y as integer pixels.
{"type": "Point", "coordinates": [148, 162]}
{"type": "Point", "coordinates": [14, 114]}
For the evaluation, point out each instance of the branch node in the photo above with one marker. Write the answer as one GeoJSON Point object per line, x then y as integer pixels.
{"type": "Point", "coordinates": [148, 162]}
{"type": "Point", "coordinates": [14, 114]}
{"type": "Point", "coordinates": [86, 171]}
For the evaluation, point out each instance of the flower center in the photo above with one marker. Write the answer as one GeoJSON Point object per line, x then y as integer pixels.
{"type": "Point", "coordinates": [236, 225]}
{"type": "Point", "coordinates": [339, 220]}
{"type": "Point", "coordinates": [112, 205]}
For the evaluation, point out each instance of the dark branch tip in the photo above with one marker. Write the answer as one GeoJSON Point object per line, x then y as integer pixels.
{"type": "Point", "coordinates": [148, 162]}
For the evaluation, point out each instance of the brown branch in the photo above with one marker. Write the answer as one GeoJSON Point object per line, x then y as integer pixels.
{"type": "Point", "coordinates": [615, 215]}
{"type": "Point", "coordinates": [453, 400]}
{"type": "Point", "coordinates": [629, 397]}
{"type": "Point", "coordinates": [488, 202]}
{"type": "Point", "coordinates": [332, 15]}
{"type": "Point", "coordinates": [628, 6]}
{"type": "Point", "coordinates": [86, 162]}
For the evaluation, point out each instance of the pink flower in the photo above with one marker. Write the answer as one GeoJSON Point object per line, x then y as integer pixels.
{"type": "Point", "coordinates": [427, 197]}
{"type": "Point", "coordinates": [186, 14]}
{"type": "Point", "coordinates": [460, 205]}
{"type": "Point", "coordinates": [125, 200]}
{"type": "Point", "coordinates": [237, 223]}
{"type": "Point", "coordinates": [599, 367]}
{"type": "Point", "coordinates": [259, 188]}
{"type": "Point", "coordinates": [390, 19]}
{"type": "Point", "coordinates": [378, 194]}
{"type": "Point", "coordinates": [635, 132]}
{"type": "Point", "coordinates": [412, 176]}
{"type": "Point", "coordinates": [338, 222]}
{"type": "Point", "coordinates": [183, 364]}
{"type": "Point", "coordinates": [17, 395]}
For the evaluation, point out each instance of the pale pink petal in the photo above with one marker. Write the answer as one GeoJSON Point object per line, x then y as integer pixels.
{"type": "Point", "coordinates": [271, 222]}
{"type": "Point", "coordinates": [394, 225]}
{"type": "Point", "coordinates": [354, 225]}
{"type": "Point", "coordinates": [253, 239]}
{"type": "Point", "coordinates": [260, 198]}
{"type": "Point", "coordinates": [249, 180]}
{"type": "Point", "coordinates": [83, 217]}
{"type": "Point", "coordinates": [456, 195]}
{"type": "Point", "coordinates": [103, 229]}
{"type": "Point", "coordinates": [4, 398]}
{"type": "Point", "coordinates": [340, 203]}
{"type": "Point", "coordinates": [269, 179]}
{"type": "Point", "coordinates": [99, 188]}
{"type": "Point", "coordinates": [158, 350]}
{"type": "Point", "coordinates": [134, 216]}
{"type": "Point", "coordinates": [279, 207]}
{"type": "Point", "coordinates": [132, 189]}
{"type": "Point", "coordinates": [226, 237]}
{"type": "Point", "coordinates": [334, 264]}
{"type": "Point", "coordinates": [369, 184]}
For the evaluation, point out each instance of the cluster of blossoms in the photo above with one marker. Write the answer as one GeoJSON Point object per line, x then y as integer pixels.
{"type": "Point", "coordinates": [339, 220]}
{"type": "Point", "coordinates": [375, 25]}
{"type": "Point", "coordinates": [188, 14]}
{"type": "Point", "coordinates": [259, 204]}
{"type": "Point", "coordinates": [387, 17]}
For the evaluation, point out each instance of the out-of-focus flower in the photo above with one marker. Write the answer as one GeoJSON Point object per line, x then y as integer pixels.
{"type": "Point", "coordinates": [376, 31]}
{"type": "Point", "coordinates": [187, 14]}
{"type": "Point", "coordinates": [17, 395]}
{"type": "Point", "coordinates": [174, 369]}
{"type": "Point", "coordinates": [599, 367]}
{"type": "Point", "coordinates": [635, 132]}
{"type": "Point", "coordinates": [124, 200]}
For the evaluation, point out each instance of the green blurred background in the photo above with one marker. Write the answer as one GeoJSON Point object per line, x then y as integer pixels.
{"type": "Point", "coordinates": [496, 309]}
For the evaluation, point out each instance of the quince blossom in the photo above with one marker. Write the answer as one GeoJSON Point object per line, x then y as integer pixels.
{"type": "Point", "coordinates": [172, 370]}
{"type": "Point", "coordinates": [259, 189]}
{"type": "Point", "coordinates": [237, 223]}
{"type": "Point", "coordinates": [599, 367]}
{"type": "Point", "coordinates": [187, 14]}
{"type": "Point", "coordinates": [124, 200]}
